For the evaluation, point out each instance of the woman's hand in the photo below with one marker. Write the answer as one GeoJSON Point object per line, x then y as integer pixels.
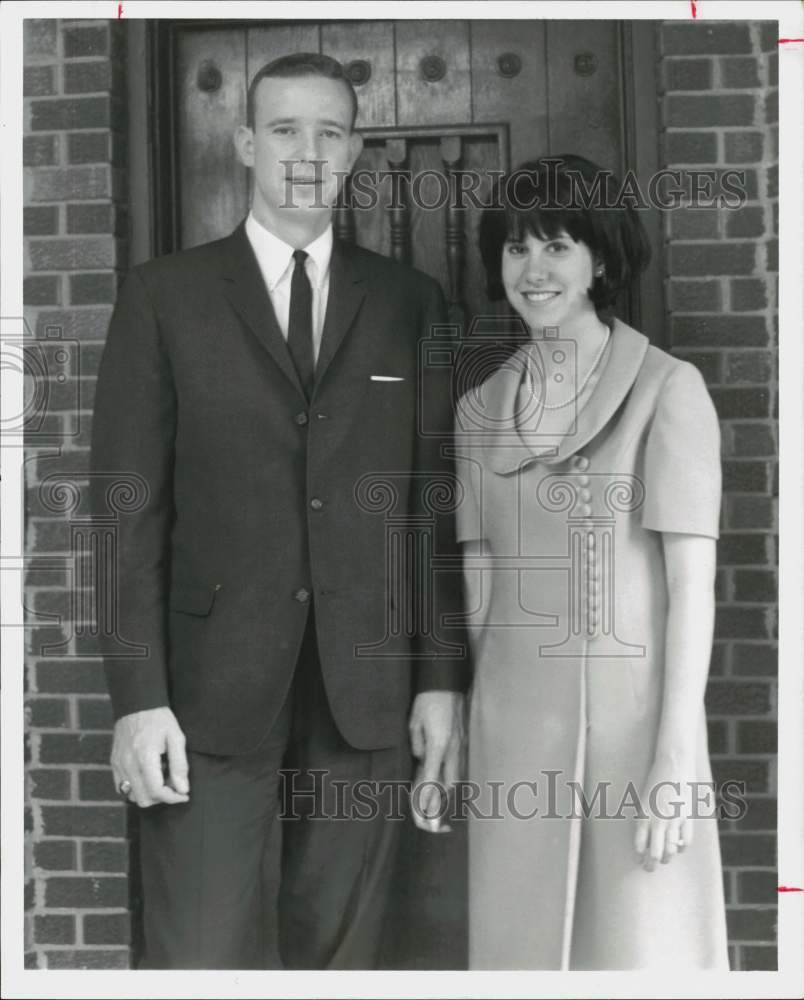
{"type": "Point", "coordinates": [667, 801]}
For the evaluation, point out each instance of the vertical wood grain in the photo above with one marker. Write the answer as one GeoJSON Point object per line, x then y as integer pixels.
{"type": "Point", "coordinates": [272, 41]}
{"type": "Point", "coordinates": [214, 185]}
{"type": "Point", "coordinates": [447, 101]}
{"type": "Point", "coordinates": [584, 112]}
{"type": "Point", "coordinates": [520, 100]}
{"type": "Point", "coordinates": [374, 42]}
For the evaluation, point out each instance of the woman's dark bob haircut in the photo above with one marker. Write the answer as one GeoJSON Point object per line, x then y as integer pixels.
{"type": "Point", "coordinates": [566, 194]}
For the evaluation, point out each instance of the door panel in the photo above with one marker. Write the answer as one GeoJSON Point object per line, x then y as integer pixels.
{"type": "Point", "coordinates": [373, 43]}
{"type": "Point", "coordinates": [425, 49]}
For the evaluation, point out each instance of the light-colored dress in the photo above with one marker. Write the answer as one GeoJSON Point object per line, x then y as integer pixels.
{"type": "Point", "coordinates": [569, 666]}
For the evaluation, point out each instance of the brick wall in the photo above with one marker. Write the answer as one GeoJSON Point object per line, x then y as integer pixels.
{"type": "Point", "coordinates": [75, 248]}
{"type": "Point", "coordinates": [719, 110]}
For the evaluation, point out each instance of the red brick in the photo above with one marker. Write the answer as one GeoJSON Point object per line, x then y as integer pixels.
{"type": "Point", "coordinates": [762, 814]}
{"type": "Point", "coordinates": [744, 147]}
{"type": "Point", "coordinates": [687, 74]}
{"type": "Point", "coordinates": [54, 929]}
{"type": "Point", "coordinates": [55, 855]}
{"type": "Point", "coordinates": [40, 220]}
{"type": "Point", "coordinates": [741, 623]}
{"type": "Point", "coordinates": [750, 512]}
{"type": "Point", "coordinates": [38, 81]}
{"type": "Point", "coordinates": [105, 856]}
{"type": "Point", "coordinates": [719, 330]}
{"type": "Point", "coordinates": [96, 785]}
{"type": "Point", "coordinates": [741, 403]}
{"type": "Point", "coordinates": [745, 476]}
{"type": "Point", "coordinates": [84, 821]}
{"type": "Point", "coordinates": [78, 254]}
{"type": "Point", "coordinates": [705, 38]}
{"type": "Point", "coordinates": [695, 296]}
{"type": "Point", "coordinates": [59, 114]}
{"type": "Point", "coordinates": [30, 959]}
{"type": "Point", "coordinates": [85, 41]}
{"type": "Point", "coordinates": [72, 183]}
{"type": "Point", "coordinates": [74, 748]}
{"type": "Point", "coordinates": [694, 224]}
{"type": "Point", "coordinates": [772, 255]}
{"type": "Point", "coordinates": [749, 366]}
{"type": "Point", "coordinates": [772, 107]}
{"type": "Point", "coordinates": [696, 111]}
{"type": "Point", "coordinates": [702, 259]}
{"type": "Point", "coordinates": [717, 735]}
{"type": "Point", "coordinates": [768, 35]}
{"type": "Point", "coordinates": [749, 774]}
{"type": "Point", "coordinates": [86, 892]}
{"type": "Point", "coordinates": [730, 698]}
{"type": "Point", "coordinates": [751, 924]}
{"type": "Point", "coordinates": [89, 147]}
{"type": "Point", "coordinates": [756, 736]}
{"type": "Point", "coordinates": [50, 783]}
{"type": "Point", "coordinates": [757, 886]}
{"type": "Point", "coordinates": [718, 661]}
{"type": "Point", "coordinates": [690, 147]}
{"type": "Point", "coordinates": [39, 36]}
{"type": "Point", "coordinates": [48, 713]}
{"type": "Point", "coordinates": [748, 294]}
{"type": "Point", "coordinates": [772, 63]}
{"type": "Point", "coordinates": [759, 958]}
{"type": "Point", "coordinates": [75, 324]}
{"type": "Point", "coordinates": [773, 181]}
{"type": "Point", "coordinates": [749, 220]}
{"type": "Point", "coordinates": [92, 289]}
{"type": "Point", "coordinates": [70, 676]}
{"type": "Point", "coordinates": [707, 363]}
{"type": "Point", "coordinates": [107, 928]}
{"type": "Point", "coordinates": [739, 72]}
{"type": "Point", "coordinates": [748, 849]}
{"type": "Point", "coordinates": [43, 290]}
{"type": "Point", "coordinates": [755, 659]}
{"type": "Point", "coordinates": [96, 217]}
{"type": "Point", "coordinates": [95, 713]}
{"type": "Point", "coordinates": [84, 958]}
{"type": "Point", "coordinates": [88, 77]}
{"type": "Point", "coordinates": [40, 151]}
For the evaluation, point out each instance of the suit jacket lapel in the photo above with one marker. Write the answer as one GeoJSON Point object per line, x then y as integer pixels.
{"type": "Point", "coordinates": [347, 289]}
{"type": "Point", "coordinates": [244, 286]}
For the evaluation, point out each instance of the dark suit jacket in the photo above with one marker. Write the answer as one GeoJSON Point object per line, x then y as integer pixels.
{"type": "Point", "coordinates": [255, 497]}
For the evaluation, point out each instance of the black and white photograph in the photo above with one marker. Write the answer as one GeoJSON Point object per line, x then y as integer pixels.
{"type": "Point", "coordinates": [402, 499]}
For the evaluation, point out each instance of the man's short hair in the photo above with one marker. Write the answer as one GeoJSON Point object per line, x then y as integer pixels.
{"type": "Point", "coordinates": [301, 64]}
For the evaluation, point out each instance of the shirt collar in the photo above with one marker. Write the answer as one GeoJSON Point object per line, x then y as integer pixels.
{"type": "Point", "coordinates": [275, 256]}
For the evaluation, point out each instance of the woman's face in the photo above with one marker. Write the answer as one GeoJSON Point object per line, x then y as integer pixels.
{"type": "Point", "coordinates": [547, 281]}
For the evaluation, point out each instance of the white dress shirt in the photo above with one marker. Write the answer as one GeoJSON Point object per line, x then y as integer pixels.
{"type": "Point", "coordinates": [275, 258]}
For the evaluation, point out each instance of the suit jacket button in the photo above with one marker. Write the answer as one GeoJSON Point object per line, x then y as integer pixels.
{"type": "Point", "coordinates": [316, 504]}
{"type": "Point", "coordinates": [301, 419]}
{"type": "Point", "coordinates": [302, 595]}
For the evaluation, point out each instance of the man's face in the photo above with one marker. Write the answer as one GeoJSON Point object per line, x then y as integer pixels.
{"type": "Point", "coordinates": [301, 146]}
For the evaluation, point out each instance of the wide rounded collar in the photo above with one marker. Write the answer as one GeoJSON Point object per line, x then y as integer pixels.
{"type": "Point", "coordinates": [488, 413]}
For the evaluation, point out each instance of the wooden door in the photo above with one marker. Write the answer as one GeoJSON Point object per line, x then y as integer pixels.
{"type": "Point", "coordinates": [438, 96]}
{"type": "Point", "coordinates": [433, 95]}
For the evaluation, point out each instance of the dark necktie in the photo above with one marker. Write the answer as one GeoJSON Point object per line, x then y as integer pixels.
{"type": "Point", "coordinates": [300, 323]}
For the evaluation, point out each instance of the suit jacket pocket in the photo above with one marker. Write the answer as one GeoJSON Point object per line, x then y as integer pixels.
{"type": "Point", "coordinates": [192, 598]}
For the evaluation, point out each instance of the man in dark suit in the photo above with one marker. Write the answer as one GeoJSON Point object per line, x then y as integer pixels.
{"type": "Point", "coordinates": [265, 390]}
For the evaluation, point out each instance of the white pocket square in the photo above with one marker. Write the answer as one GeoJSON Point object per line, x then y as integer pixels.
{"type": "Point", "coordinates": [386, 378]}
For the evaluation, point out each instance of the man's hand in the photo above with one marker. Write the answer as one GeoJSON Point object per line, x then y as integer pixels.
{"type": "Point", "coordinates": [140, 740]}
{"type": "Point", "coordinates": [437, 740]}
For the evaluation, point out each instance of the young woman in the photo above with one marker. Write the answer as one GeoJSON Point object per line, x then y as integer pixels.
{"type": "Point", "coordinates": [590, 474]}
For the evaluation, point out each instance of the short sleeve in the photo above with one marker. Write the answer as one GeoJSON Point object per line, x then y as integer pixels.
{"type": "Point", "coordinates": [468, 520]}
{"type": "Point", "coordinates": [682, 476]}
